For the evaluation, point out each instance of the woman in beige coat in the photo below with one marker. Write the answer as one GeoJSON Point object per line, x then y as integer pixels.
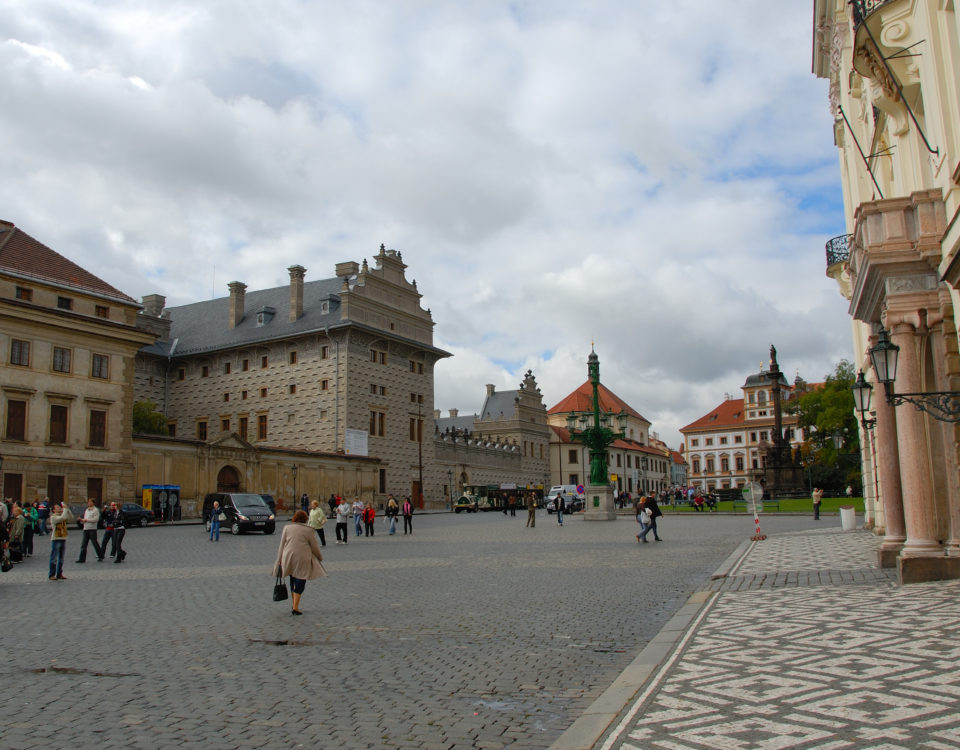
{"type": "Point", "coordinates": [299, 557]}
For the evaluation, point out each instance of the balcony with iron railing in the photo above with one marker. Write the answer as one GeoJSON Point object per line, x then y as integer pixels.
{"type": "Point", "coordinates": [862, 10]}
{"type": "Point", "coordinates": [838, 249]}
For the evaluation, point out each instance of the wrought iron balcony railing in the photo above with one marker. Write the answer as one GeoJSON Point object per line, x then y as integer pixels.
{"type": "Point", "coordinates": [838, 249]}
{"type": "Point", "coordinates": [863, 8]}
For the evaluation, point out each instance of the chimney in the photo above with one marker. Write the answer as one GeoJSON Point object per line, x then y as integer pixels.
{"type": "Point", "coordinates": [490, 389]}
{"type": "Point", "coordinates": [436, 414]}
{"type": "Point", "coordinates": [237, 291]}
{"type": "Point", "coordinates": [296, 291]}
{"type": "Point", "coordinates": [454, 412]}
{"type": "Point", "coordinates": [153, 305]}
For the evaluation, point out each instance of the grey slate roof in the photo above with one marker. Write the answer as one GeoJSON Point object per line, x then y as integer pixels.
{"type": "Point", "coordinates": [499, 405]}
{"type": "Point", "coordinates": [760, 378]}
{"type": "Point", "coordinates": [203, 326]}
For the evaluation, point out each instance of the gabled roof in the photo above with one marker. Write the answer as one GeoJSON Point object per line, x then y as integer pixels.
{"type": "Point", "coordinates": [22, 254]}
{"type": "Point", "coordinates": [581, 400]}
{"type": "Point", "coordinates": [563, 435]}
{"type": "Point", "coordinates": [499, 405]}
{"type": "Point", "coordinates": [728, 414]}
{"type": "Point", "coordinates": [677, 457]}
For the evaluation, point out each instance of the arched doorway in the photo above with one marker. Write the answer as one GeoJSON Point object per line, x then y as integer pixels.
{"type": "Point", "coordinates": [228, 480]}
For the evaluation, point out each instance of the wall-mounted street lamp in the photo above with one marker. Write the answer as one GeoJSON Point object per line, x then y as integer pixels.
{"type": "Point", "coordinates": [941, 405]}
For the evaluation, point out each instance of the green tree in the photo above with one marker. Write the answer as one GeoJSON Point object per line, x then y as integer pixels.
{"type": "Point", "coordinates": [147, 420]}
{"type": "Point", "coordinates": [822, 412]}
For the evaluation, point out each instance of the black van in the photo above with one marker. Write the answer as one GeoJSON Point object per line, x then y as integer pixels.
{"type": "Point", "coordinates": [242, 511]}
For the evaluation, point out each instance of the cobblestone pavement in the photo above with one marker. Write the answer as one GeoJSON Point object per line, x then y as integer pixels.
{"type": "Point", "coordinates": [806, 644]}
{"type": "Point", "coordinates": [474, 632]}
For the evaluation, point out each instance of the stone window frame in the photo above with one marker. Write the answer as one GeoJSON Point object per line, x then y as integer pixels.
{"type": "Point", "coordinates": [100, 366]}
{"type": "Point", "coordinates": [20, 352]}
{"type": "Point", "coordinates": [62, 360]}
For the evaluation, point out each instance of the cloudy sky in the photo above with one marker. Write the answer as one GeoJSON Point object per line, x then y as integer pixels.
{"type": "Point", "coordinates": [655, 177]}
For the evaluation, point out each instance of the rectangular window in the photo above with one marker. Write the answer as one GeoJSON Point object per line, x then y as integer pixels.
{"type": "Point", "coordinates": [377, 422]}
{"type": "Point", "coordinates": [204, 372]}
{"type": "Point", "coordinates": [100, 366]}
{"type": "Point", "coordinates": [61, 359]}
{"type": "Point", "coordinates": [293, 357]}
{"type": "Point", "coordinates": [696, 466]}
{"type": "Point", "coordinates": [264, 361]}
{"type": "Point", "coordinates": [23, 293]}
{"type": "Point", "coordinates": [708, 441]}
{"type": "Point", "coordinates": [16, 420]}
{"type": "Point", "coordinates": [20, 353]}
{"type": "Point", "coordinates": [724, 464]}
{"type": "Point", "coordinates": [293, 388]}
{"type": "Point", "coordinates": [324, 352]}
{"type": "Point", "coordinates": [226, 396]}
{"type": "Point", "coordinates": [102, 311]}
{"type": "Point", "coordinates": [263, 393]}
{"type": "Point", "coordinates": [64, 303]}
{"type": "Point", "coordinates": [373, 389]}
{"type": "Point", "coordinates": [243, 395]}
{"type": "Point", "coordinates": [723, 441]}
{"type": "Point", "coordinates": [243, 428]}
{"type": "Point", "coordinates": [382, 484]}
{"type": "Point", "coordinates": [58, 423]}
{"type": "Point", "coordinates": [324, 385]}
{"type": "Point", "coordinates": [763, 435]}
{"type": "Point", "coordinates": [98, 428]}
{"type": "Point", "coordinates": [226, 368]}
{"type": "Point", "coordinates": [572, 456]}
{"type": "Point", "coordinates": [694, 442]}
{"type": "Point", "coordinates": [383, 390]}
{"type": "Point", "coordinates": [245, 365]}
{"type": "Point", "coordinates": [618, 460]}
{"type": "Point", "coordinates": [201, 430]}
{"type": "Point", "coordinates": [709, 466]}
{"type": "Point", "coordinates": [172, 429]}
{"type": "Point", "coordinates": [739, 463]}
{"type": "Point", "coordinates": [574, 479]}
{"type": "Point", "coordinates": [738, 439]}
{"type": "Point", "coordinates": [262, 427]}
{"type": "Point", "coordinates": [181, 374]}
{"type": "Point", "coordinates": [753, 437]}
{"type": "Point", "coordinates": [55, 487]}
{"type": "Point", "coordinates": [225, 424]}
{"type": "Point", "coordinates": [413, 428]}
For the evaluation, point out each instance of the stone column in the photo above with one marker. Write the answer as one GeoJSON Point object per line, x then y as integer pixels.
{"type": "Point", "coordinates": [888, 466]}
{"type": "Point", "coordinates": [946, 363]}
{"type": "Point", "coordinates": [916, 561]}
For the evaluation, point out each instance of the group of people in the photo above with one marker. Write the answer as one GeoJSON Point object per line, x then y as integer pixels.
{"type": "Point", "coordinates": [647, 511]}
{"type": "Point", "coordinates": [363, 514]}
{"type": "Point", "coordinates": [20, 524]}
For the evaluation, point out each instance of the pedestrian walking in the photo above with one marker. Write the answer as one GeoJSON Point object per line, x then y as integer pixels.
{"type": "Point", "coordinates": [317, 521]}
{"type": "Point", "coordinates": [655, 513]}
{"type": "Point", "coordinates": [643, 515]}
{"type": "Point", "coordinates": [343, 513]}
{"type": "Point", "coordinates": [60, 518]}
{"type": "Point", "coordinates": [407, 516]}
{"type": "Point", "coordinates": [369, 516]}
{"type": "Point", "coordinates": [393, 510]}
{"type": "Point", "coordinates": [304, 502]}
{"type": "Point", "coordinates": [91, 518]}
{"type": "Point", "coordinates": [333, 502]}
{"type": "Point", "coordinates": [109, 523]}
{"type": "Point", "coordinates": [560, 505]}
{"type": "Point", "coordinates": [215, 519]}
{"type": "Point", "coordinates": [119, 531]}
{"type": "Point", "coordinates": [358, 515]}
{"type": "Point", "coordinates": [298, 557]}
{"type": "Point", "coordinates": [817, 497]}
{"type": "Point", "coordinates": [512, 503]}
{"type": "Point", "coordinates": [531, 510]}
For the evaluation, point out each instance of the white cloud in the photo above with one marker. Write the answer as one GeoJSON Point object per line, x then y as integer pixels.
{"type": "Point", "coordinates": [658, 178]}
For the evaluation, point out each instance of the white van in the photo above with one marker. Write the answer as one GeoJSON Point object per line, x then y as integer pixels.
{"type": "Point", "coordinates": [571, 500]}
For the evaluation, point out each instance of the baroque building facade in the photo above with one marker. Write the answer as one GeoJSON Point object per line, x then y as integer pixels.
{"type": "Point", "coordinates": [893, 69]}
{"type": "Point", "coordinates": [727, 446]}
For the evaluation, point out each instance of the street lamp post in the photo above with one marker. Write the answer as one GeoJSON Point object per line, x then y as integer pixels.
{"type": "Point", "coordinates": [597, 437]}
{"type": "Point", "coordinates": [862, 395]}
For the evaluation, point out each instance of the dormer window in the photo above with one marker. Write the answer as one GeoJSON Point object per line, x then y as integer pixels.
{"type": "Point", "coordinates": [264, 316]}
{"type": "Point", "coordinates": [324, 307]}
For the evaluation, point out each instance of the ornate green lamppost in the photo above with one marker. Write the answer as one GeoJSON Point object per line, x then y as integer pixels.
{"type": "Point", "coordinates": [597, 437]}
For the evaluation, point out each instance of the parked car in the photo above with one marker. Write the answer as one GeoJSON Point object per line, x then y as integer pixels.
{"type": "Point", "coordinates": [135, 514]}
{"type": "Point", "coordinates": [242, 511]}
{"type": "Point", "coordinates": [467, 503]}
{"type": "Point", "coordinates": [268, 499]}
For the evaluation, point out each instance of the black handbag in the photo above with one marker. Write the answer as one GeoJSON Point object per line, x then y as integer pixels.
{"type": "Point", "coordinates": [5, 564]}
{"type": "Point", "coordinates": [279, 590]}
{"type": "Point", "coordinates": [16, 552]}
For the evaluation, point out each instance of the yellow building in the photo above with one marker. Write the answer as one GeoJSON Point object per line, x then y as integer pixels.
{"type": "Point", "coordinates": [68, 341]}
{"type": "Point", "coordinates": [894, 73]}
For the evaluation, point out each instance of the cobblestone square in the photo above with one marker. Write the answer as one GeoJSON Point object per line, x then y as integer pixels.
{"type": "Point", "coordinates": [472, 632]}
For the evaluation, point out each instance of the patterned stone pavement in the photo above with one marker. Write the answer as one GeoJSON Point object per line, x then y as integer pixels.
{"type": "Point", "coordinates": [805, 643]}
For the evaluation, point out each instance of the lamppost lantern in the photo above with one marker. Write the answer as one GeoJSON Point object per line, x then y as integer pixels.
{"type": "Point", "coordinates": [883, 357]}
{"type": "Point", "coordinates": [862, 395]}
{"type": "Point", "coordinates": [837, 439]}
{"type": "Point", "coordinates": [571, 421]}
{"type": "Point", "coordinates": [583, 421]}
{"type": "Point", "coordinates": [944, 406]}
{"type": "Point", "coordinates": [622, 420]}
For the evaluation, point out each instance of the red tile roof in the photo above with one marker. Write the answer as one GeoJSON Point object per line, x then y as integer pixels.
{"type": "Point", "coordinates": [22, 254]}
{"type": "Point", "coordinates": [728, 414]}
{"type": "Point", "coordinates": [563, 435]}
{"type": "Point", "coordinates": [581, 400]}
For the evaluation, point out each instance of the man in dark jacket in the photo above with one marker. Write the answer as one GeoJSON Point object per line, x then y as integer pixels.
{"type": "Point", "coordinates": [655, 510]}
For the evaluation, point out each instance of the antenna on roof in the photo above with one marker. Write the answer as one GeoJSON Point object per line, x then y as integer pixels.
{"type": "Point", "coordinates": [213, 282]}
